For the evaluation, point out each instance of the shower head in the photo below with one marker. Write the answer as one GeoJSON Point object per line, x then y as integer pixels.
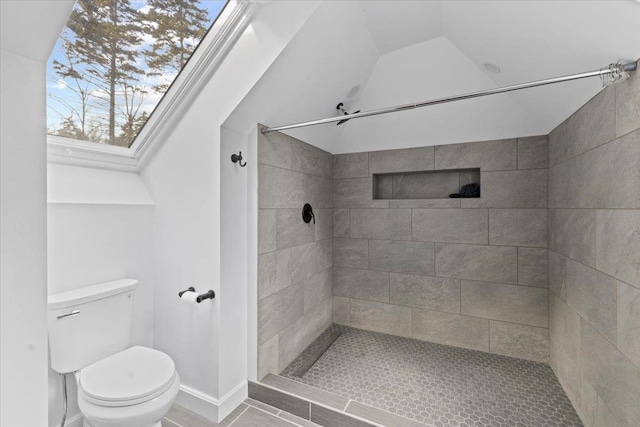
{"type": "Point", "coordinates": [341, 108]}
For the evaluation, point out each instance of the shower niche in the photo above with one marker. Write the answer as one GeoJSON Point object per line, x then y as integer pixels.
{"type": "Point", "coordinates": [440, 184]}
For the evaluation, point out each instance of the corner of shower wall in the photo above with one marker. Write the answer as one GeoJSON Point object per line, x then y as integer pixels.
{"type": "Point", "coordinates": [294, 257]}
{"type": "Point", "coordinates": [594, 242]}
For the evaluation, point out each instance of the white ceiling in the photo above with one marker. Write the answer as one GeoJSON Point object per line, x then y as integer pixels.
{"type": "Point", "coordinates": [30, 28]}
{"type": "Point", "coordinates": [407, 51]}
{"type": "Point", "coordinates": [393, 27]}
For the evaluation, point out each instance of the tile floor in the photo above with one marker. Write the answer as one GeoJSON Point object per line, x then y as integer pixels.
{"type": "Point", "coordinates": [437, 385]}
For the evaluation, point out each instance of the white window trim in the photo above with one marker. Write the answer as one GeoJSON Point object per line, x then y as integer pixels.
{"type": "Point", "coordinates": [203, 63]}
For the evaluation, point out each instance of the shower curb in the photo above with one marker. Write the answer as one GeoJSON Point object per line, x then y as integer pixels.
{"type": "Point", "coordinates": [322, 413]}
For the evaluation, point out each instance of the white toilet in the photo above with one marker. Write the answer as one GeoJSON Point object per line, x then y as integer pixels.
{"type": "Point", "coordinates": [118, 385]}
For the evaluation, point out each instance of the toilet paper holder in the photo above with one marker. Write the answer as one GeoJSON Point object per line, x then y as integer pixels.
{"type": "Point", "coordinates": [207, 295]}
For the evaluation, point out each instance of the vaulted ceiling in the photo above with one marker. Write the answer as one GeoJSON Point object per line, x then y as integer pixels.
{"type": "Point", "coordinates": [406, 51]}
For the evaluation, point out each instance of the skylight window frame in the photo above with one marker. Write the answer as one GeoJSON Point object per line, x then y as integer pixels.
{"type": "Point", "coordinates": [206, 58]}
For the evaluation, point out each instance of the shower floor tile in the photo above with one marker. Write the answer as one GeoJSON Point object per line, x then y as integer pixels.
{"type": "Point", "coordinates": [437, 385]}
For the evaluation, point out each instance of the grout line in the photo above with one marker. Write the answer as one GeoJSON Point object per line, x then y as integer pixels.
{"type": "Point", "coordinates": [241, 413]}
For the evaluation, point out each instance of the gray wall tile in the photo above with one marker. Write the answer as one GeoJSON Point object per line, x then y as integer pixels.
{"type": "Point", "coordinates": [279, 310]}
{"type": "Point", "coordinates": [309, 259]}
{"type": "Point", "coordinates": [351, 253]}
{"type": "Point", "coordinates": [518, 304]}
{"type": "Point", "coordinates": [317, 191]}
{"type": "Point", "coordinates": [434, 293]}
{"type": "Point", "coordinates": [380, 317]}
{"type": "Point", "coordinates": [518, 227]}
{"type": "Point", "coordinates": [558, 274]}
{"type": "Point", "coordinates": [317, 289]}
{"type": "Point", "coordinates": [406, 160]}
{"type": "Point", "coordinates": [612, 375]}
{"type": "Point", "coordinates": [341, 310]}
{"type": "Point", "coordinates": [450, 225]}
{"type": "Point", "coordinates": [266, 230]}
{"type": "Point", "coordinates": [341, 223]}
{"type": "Point", "coordinates": [593, 295]}
{"type": "Point", "coordinates": [490, 263]}
{"type": "Point", "coordinates": [402, 257]}
{"type": "Point", "coordinates": [425, 203]}
{"type": "Point", "coordinates": [521, 341]}
{"type": "Point", "coordinates": [618, 244]}
{"type": "Point", "coordinates": [451, 329]}
{"type": "Point", "coordinates": [355, 193]}
{"type": "Point", "coordinates": [533, 152]}
{"type": "Point", "coordinates": [274, 149]}
{"type": "Point", "coordinates": [533, 267]}
{"type": "Point", "coordinates": [268, 357]}
{"type": "Point", "coordinates": [280, 188]}
{"type": "Point", "coordinates": [291, 230]}
{"type": "Point", "coordinates": [383, 187]}
{"type": "Point", "coordinates": [392, 224]}
{"type": "Point", "coordinates": [298, 335]}
{"type": "Point", "coordinates": [311, 160]}
{"type": "Point", "coordinates": [361, 284]}
{"type": "Point", "coordinates": [610, 176]}
{"type": "Point", "coordinates": [511, 189]}
{"type": "Point", "coordinates": [430, 185]}
{"type": "Point", "coordinates": [629, 322]}
{"type": "Point", "coordinates": [572, 232]}
{"type": "Point", "coordinates": [564, 328]}
{"type": "Point", "coordinates": [469, 177]}
{"type": "Point", "coordinates": [486, 155]}
{"type": "Point", "coordinates": [592, 125]}
{"type": "Point", "coordinates": [274, 272]}
{"type": "Point", "coordinates": [627, 105]}
{"type": "Point", "coordinates": [353, 165]}
{"type": "Point", "coordinates": [324, 223]}
{"type": "Point", "coordinates": [564, 184]}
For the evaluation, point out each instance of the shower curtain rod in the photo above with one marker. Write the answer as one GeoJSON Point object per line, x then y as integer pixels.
{"type": "Point", "coordinates": [615, 71]}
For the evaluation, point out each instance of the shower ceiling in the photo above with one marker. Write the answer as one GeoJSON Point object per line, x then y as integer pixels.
{"type": "Point", "coordinates": [406, 51]}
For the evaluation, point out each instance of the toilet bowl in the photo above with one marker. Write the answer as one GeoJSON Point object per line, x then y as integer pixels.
{"type": "Point", "coordinates": [135, 387]}
{"type": "Point", "coordinates": [90, 336]}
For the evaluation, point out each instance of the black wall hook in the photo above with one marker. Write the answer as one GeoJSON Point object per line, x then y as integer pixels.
{"type": "Point", "coordinates": [307, 214]}
{"type": "Point", "coordinates": [237, 158]}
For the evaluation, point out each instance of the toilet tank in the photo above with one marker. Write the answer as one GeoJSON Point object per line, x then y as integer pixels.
{"type": "Point", "coordinates": [88, 324]}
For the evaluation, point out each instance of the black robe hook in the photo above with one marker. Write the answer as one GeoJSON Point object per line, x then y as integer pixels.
{"type": "Point", "coordinates": [237, 158]}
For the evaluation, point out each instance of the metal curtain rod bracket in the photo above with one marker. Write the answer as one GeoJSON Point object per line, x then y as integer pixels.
{"type": "Point", "coordinates": [613, 72]}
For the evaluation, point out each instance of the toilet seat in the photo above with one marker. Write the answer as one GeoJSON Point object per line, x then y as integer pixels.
{"type": "Point", "coordinates": [133, 376]}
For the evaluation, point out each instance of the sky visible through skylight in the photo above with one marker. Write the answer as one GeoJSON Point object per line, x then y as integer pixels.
{"type": "Point", "coordinates": [114, 61]}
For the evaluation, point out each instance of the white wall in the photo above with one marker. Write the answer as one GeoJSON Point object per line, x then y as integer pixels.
{"type": "Point", "coordinates": [184, 179]}
{"type": "Point", "coordinates": [23, 262]}
{"type": "Point", "coordinates": [99, 228]}
{"type": "Point", "coordinates": [23, 274]}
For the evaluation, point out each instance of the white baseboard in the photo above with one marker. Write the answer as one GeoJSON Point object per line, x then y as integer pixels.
{"type": "Point", "coordinates": [208, 406]}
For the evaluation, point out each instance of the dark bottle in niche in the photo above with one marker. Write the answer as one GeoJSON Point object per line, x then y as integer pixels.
{"type": "Point", "coordinates": [467, 191]}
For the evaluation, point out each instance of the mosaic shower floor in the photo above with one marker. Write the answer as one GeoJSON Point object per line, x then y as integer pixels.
{"type": "Point", "coordinates": [437, 385]}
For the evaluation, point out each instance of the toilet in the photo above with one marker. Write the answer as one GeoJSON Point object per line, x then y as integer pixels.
{"type": "Point", "coordinates": [90, 336]}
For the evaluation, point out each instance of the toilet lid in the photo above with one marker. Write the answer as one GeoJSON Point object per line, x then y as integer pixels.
{"type": "Point", "coordinates": [131, 375]}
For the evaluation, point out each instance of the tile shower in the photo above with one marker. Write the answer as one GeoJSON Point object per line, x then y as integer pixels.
{"type": "Point", "coordinates": [540, 269]}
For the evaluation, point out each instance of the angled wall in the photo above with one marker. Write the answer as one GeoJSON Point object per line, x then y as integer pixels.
{"type": "Point", "coordinates": [594, 252]}
{"type": "Point", "coordinates": [294, 261]}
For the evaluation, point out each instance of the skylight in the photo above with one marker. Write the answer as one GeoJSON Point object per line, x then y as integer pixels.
{"type": "Point", "coordinates": [114, 61]}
